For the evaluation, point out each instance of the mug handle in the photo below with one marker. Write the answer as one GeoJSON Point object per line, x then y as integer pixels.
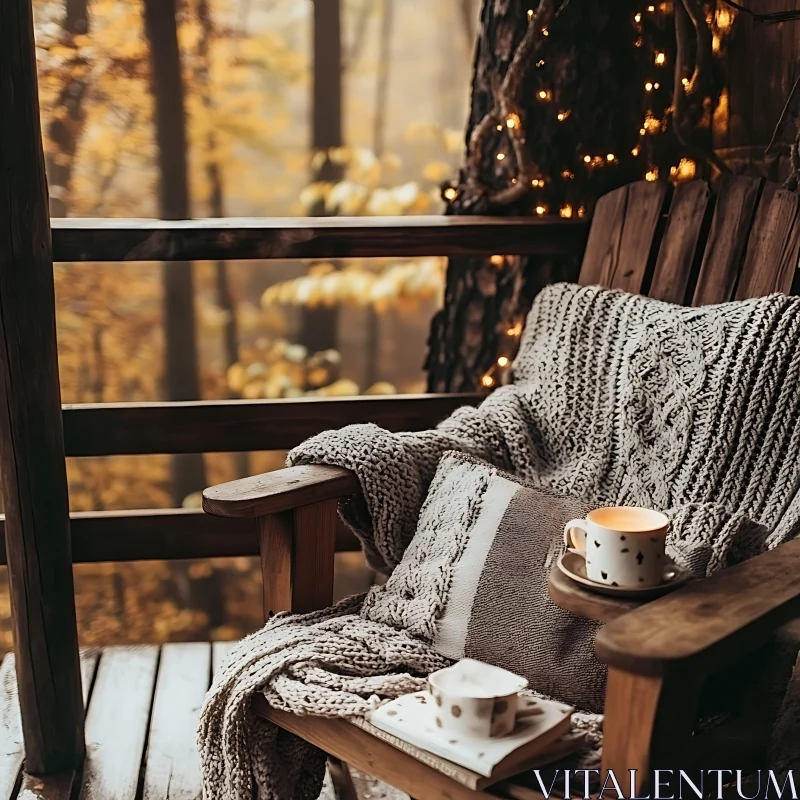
{"type": "Point", "coordinates": [572, 543]}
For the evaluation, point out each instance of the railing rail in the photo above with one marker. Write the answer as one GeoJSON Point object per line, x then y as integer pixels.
{"type": "Point", "coordinates": [316, 237]}
{"type": "Point", "coordinates": [230, 426]}
{"type": "Point", "coordinates": [243, 425]}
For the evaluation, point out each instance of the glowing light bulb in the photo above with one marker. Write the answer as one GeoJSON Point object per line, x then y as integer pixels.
{"type": "Point", "coordinates": [450, 194]}
{"type": "Point", "coordinates": [587, 159]}
{"type": "Point", "coordinates": [685, 81]}
{"type": "Point", "coordinates": [499, 127]}
{"type": "Point", "coordinates": [545, 32]}
{"type": "Point", "coordinates": [540, 210]}
{"type": "Point", "coordinates": [566, 211]}
{"type": "Point", "coordinates": [661, 59]}
{"type": "Point", "coordinates": [497, 261]}
{"type": "Point", "coordinates": [582, 211]}
{"type": "Point", "coordinates": [648, 87]}
{"type": "Point", "coordinates": [540, 62]}
{"type": "Point", "coordinates": [501, 156]}
{"type": "Point", "coordinates": [502, 361]}
{"type": "Point", "coordinates": [515, 330]}
{"type": "Point", "coordinates": [637, 17]}
{"type": "Point", "coordinates": [512, 121]}
{"type": "Point", "coordinates": [544, 95]}
{"type": "Point", "coordinates": [562, 115]}
{"type": "Point", "coordinates": [487, 381]}
{"type": "Point", "coordinates": [567, 175]}
{"type": "Point", "coordinates": [656, 85]}
{"type": "Point", "coordinates": [530, 14]}
{"type": "Point", "coordinates": [651, 9]}
{"type": "Point", "coordinates": [635, 151]}
{"type": "Point", "coordinates": [651, 174]}
{"type": "Point", "coordinates": [610, 157]}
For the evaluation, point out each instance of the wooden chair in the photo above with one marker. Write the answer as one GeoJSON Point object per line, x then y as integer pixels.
{"type": "Point", "coordinates": [686, 246]}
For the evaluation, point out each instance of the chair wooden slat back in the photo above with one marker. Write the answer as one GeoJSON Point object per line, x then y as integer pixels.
{"type": "Point", "coordinates": [674, 249]}
{"type": "Point", "coordinates": [626, 225]}
{"type": "Point", "coordinates": [734, 213]}
{"type": "Point", "coordinates": [774, 246]}
{"type": "Point", "coordinates": [683, 242]}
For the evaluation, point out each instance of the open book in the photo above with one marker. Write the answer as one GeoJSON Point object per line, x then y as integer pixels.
{"type": "Point", "coordinates": [542, 735]}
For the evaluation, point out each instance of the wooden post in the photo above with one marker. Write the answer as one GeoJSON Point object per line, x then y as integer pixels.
{"type": "Point", "coordinates": [32, 467]}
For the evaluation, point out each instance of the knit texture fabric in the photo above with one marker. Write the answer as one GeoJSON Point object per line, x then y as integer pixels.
{"type": "Point", "coordinates": [615, 398]}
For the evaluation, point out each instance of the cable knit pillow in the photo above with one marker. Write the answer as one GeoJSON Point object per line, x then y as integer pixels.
{"type": "Point", "coordinates": [473, 581]}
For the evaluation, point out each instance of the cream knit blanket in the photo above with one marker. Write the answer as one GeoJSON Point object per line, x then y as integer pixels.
{"type": "Point", "coordinates": [615, 397]}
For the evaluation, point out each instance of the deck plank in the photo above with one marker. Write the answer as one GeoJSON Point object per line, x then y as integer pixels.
{"type": "Point", "coordinates": [172, 768]}
{"type": "Point", "coordinates": [116, 723]}
{"type": "Point", "coordinates": [11, 747]}
{"type": "Point", "coordinates": [53, 787]}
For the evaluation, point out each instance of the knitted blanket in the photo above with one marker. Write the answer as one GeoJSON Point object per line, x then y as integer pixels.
{"type": "Point", "coordinates": [615, 397]}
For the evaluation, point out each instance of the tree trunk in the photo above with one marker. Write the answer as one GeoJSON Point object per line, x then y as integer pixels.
{"type": "Point", "coordinates": [180, 369]}
{"type": "Point", "coordinates": [373, 329]}
{"type": "Point", "coordinates": [318, 328]}
{"type": "Point", "coordinates": [230, 331]}
{"type": "Point", "coordinates": [580, 95]}
{"type": "Point", "coordinates": [69, 113]}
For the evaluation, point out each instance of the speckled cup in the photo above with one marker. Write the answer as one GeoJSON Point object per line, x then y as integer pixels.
{"type": "Point", "coordinates": [475, 699]}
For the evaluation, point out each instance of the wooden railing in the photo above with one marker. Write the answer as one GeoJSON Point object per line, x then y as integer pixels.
{"type": "Point", "coordinates": [253, 425]}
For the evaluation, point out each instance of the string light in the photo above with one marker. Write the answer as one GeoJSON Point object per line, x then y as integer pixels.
{"type": "Point", "coordinates": [515, 330]}
{"type": "Point", "coordinates": [502, 361]}
{"type": "Point", "coordinates": [651, 125]}
{"type": "Point", "coordinates": [724, 19]}
{"type": "Point", "coordinates": [648, 87]}
{"type": "Point", "coordinates": [487, 381]}
{"type": "Point", "coordinates": [587, 159]}
{"type": "Point", "coordinates": [637, 17]}
{"type": "Point", "coordinates": [545, 32]}
{"type": "Point", "coordinates": [512, 121]}
{"type": "Point", "coordinates": [544, 95]}
{"type": "Point", "coordinates": [562, 115]}
{"type": "Point", "coordinates": [566, 211]}
{"type": "Point", "coordinates": [497, 261]}
{"type": "Point", "coordinates": [501, 156]}
{"type": "Point", "coordinates": [685, 170]}
{"type": "Point", "coordinates": [499, 127]}
{"type": "Point", "coordinates": [656, 85]}
{"type": "Point", "coordinates": [582, 211]}
{"type": "Point", "coordinates": [541, 210]}
{"type": "Point", "coordinates": [540, 62]}
{"type": "Point", "coordinates": [567, 175]}
{"type": "Point", "coordinates": [661, 59]}
{"type": "Point", "coordinates": [635, 151]}
{"type": "Point", "coordinates": [530, 14]}
{"type": "Point", "coordinates": [651, 9]}
{"type": "Point", "coordinates": [611, 157]}
{"type": "Point", "coordinates": [651, 174]}
{"type": "Point", "coordinates": [685, 81]}
{"type": "Point", "coordinates": [450, 194]}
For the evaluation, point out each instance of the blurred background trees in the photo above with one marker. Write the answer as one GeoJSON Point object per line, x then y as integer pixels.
{"type": "Point", "coordinates": [180, 108]}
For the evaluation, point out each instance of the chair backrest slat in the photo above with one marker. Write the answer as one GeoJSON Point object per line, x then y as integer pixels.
{"type": "Point", "coordinates": [624, 237]}
{"type": "Point", "coordinates": [734, 212]}
{"type": "Point", "coordinates": [683, 243]}
{"type": "Point", "coordinates": [774, 246]}
{"type": "Point", "coordinates": [602, 247]}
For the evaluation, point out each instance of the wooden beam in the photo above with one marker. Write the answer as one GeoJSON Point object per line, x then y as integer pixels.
{"type": "Point", "coordinates": [317, 237]}
{"type": "Point", "coordinates": [34, 480]}
{"type": "Point", "coordinates": [164, 534]}
{"type": "Point", "coordinates": [234, 426]}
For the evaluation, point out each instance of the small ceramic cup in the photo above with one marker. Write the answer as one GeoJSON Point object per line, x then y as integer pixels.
{"type": "Point", "coordinates": [623, 545]}
{"type": "Point", "coordinates": [475, 699]}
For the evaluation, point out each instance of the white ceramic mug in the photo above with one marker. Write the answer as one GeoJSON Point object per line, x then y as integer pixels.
{"type": "Point", "coordinates": [623, 545]}
{"type": "Point", "coordinates": [475, 699]}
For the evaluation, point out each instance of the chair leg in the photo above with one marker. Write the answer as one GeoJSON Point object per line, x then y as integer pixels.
{"type": "Point", "coordinates": [342, 780]}
{"type": "Point", "coordinates": [648, 723]}
{"type": "Point", "coordinates": [297, 551]}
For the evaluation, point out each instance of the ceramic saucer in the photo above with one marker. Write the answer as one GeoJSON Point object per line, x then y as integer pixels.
{"type": "Point", "coordinates": [573, 565]}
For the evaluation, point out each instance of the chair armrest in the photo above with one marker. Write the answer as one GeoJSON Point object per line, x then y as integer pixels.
{"type": "Point", "coordinates": [277, 491]}
{"type": "Point", "coordinates": [709, 622]}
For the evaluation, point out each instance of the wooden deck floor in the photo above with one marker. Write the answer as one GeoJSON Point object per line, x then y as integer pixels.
{"type": "Point", "coordinates": [143, 704]}
{"type": "Point", "coordinates": [142, 707]}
